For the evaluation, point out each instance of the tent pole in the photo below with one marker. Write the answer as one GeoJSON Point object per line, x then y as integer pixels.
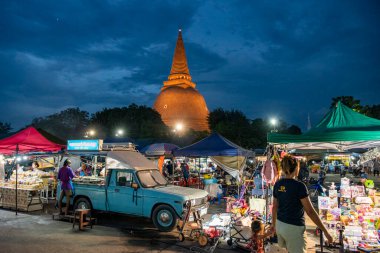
{"type": "Point", "coordinates": [16, 175]}
{"type": "Point", "coordinates": [199, 173]}
{"type": "Point", "coordinates": [239, 179]}
{"type": "Point", "coordinates": [94, 166]}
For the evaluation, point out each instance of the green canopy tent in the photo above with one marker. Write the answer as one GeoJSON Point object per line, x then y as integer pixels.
{"type": "Point", "coordinates": [341, 129]}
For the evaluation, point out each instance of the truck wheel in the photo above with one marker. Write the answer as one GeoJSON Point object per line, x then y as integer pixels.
{"type": "Point", "coordinates": [164, 218]}
{"type": "Point", "coordinates": [82, 203]}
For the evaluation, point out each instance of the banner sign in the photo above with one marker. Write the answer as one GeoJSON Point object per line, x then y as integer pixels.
{"type": "Point", "coordinates": [93, 145]}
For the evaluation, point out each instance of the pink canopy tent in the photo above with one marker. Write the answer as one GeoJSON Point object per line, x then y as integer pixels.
{"type": "Point", "coordinates": [26, 141]}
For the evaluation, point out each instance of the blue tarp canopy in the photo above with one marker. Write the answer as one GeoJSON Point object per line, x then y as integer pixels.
{"type": "Point", "coordinates": [213, 145]}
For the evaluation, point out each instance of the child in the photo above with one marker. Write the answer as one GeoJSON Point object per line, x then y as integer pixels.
{"type": "Point", "coordinates": [256, 244]}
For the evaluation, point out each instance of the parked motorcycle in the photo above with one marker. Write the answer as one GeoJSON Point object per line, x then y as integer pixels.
{"type": "Point", "coordinates": [303, 175]}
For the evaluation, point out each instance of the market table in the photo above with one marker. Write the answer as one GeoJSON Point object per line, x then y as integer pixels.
{"type": "Point", "coordinates": [28, 199]}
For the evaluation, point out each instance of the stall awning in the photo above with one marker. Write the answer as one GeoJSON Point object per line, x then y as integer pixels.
{"type": "Point", "coordinates": [341, 128]}
{"type": "Point", "coordinates": [28, 140]}
{"type": "Point", "coordinates": [213, 145]}
{"type": "Point", "coordinates": [229, 156]}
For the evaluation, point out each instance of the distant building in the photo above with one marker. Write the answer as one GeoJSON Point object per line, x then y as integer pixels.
{"type": "Point", "coordinates": [179, 102]}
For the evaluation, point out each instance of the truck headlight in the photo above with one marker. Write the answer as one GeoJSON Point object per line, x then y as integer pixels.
{"type": "Point", "coordinates": [186, 204]}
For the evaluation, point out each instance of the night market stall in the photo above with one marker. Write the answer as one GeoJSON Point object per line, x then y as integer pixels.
{"type": "Point", "coordinates": [232, 159]}
{"type": "Point", "coordinates": [22, 190]}
{"type": "Point", "coordinates": [341, 129]}
{"type": "Point", "coordinates": [227, 155]}
{"type": "Point", "coordinates": [352, 210]}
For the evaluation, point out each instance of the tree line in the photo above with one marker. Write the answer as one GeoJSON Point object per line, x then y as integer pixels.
{"type": "Point", "coordinates": [143, 124]}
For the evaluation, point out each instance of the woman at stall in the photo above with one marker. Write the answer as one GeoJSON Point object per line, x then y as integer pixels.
{"type": "Point", "coordinates": [65, 174]}
{"type": "Point", "coordinates": [83, 170]}
{"type": "Point", "coordinates": [290, 201]}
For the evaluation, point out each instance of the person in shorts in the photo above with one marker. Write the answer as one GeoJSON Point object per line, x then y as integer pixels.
{"type": "Point", "coordinates": [65, 174]}
{"type": "Point", "coordinates": [290, 201]}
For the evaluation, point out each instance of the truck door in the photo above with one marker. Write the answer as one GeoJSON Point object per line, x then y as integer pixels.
{"type": "Point", "coordinates": [122, 197]}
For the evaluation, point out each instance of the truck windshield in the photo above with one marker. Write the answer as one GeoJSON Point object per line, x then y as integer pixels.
{"type": "Point", "coordinates": [151, 178]}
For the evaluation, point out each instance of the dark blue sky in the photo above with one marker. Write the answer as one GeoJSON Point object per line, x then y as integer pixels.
{"type": "Point", "coordinates": [265, 58]}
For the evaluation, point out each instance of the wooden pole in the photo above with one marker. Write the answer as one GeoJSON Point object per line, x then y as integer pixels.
{"type": "Point", "coordinates": [16, 177]}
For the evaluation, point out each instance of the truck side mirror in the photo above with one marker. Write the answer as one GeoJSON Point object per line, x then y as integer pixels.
{"type": "Point", "coordinates": [135, 186]}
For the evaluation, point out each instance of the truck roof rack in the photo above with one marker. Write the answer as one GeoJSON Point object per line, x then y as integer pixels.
{"type": "Point", "coordinates": [129, 146]}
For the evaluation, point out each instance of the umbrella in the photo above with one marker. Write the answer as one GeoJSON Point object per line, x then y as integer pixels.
{"type": "Point", "coordinates": [159, 149]}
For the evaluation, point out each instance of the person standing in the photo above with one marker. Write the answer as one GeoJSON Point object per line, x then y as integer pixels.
{"type": "Point", "coordinates": [169, 168]}
{"type": "Point", "coordinates": [83, 170]}
{"type": "Point", "coordinates": [376, 167]}
{"type": "Point", "coordinates": [185, 173]}
{"type": "Point", "coordinates": [290, 201]}
{"type": "Point", "coordinates": [256, 244]}
{"type": "Point", "coordinates": [65, 174]}
{"type": "Point", "coordinates": [35, 166]}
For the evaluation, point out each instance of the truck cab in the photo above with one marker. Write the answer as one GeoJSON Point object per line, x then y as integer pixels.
{"type": "Point", "coordinates": [134, 186]}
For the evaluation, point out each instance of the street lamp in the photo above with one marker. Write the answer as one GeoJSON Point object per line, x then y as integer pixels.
{"type": "Point", "coordinates": [273, 122]}
{"type": "Point", "coordinates": [179, 127]}
{"type": "Point", "coordinates": [119, 132]}
{"type": "Point", "coordinates": [89, 133]}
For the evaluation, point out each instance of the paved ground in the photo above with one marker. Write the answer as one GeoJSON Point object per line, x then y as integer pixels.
{"type": "Point", "coordinates": [38, 232]}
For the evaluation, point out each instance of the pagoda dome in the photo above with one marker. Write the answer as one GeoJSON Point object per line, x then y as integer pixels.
{"type": "Point", "coordinates": [179, 102]}
{"type": "Point", "coordinates": [184, 105]}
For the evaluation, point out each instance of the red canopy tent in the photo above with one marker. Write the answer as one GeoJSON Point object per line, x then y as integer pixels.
{"type": "Point", "coordinates": [26, 141]}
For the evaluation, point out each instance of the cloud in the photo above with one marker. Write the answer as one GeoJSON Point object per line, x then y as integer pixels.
{"type": "Point", "coordinates": [260, 57]}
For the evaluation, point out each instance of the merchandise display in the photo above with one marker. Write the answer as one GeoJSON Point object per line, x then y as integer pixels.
{"type": "Point", "coordinates": [32, 180]}
{"type": "Point", "coordinates": [358, 215]}
{"type": "Point", "coordinates": [89, 180]}
{"type": "Point", "coordinates": [29, 185]}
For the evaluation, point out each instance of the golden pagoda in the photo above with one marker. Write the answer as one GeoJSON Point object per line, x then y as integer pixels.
{"type": "Point", "coordinates": [179, 102]}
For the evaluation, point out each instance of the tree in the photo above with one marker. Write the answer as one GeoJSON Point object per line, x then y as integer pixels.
{"type": "Point", "coordinates": [259, 130]}
{"type": "Point", "coordinates": [187, 138]}
{"type": "Point", "coordinates": [5, 128]}
{"type": "Point", "coordinates": [233, 125]}
{"type": "Point", "coordinates": [293, 129]}
{"type": "Point", "coordinates": [138, 122]}
{"type": "Point", "coordinates": [67, 124]}
{"type": "Point", "coordinates": [372, 111]}
{"type": "Point", "coordinates": [349, 101]}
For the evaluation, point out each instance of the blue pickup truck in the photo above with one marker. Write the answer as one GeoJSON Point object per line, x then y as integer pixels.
{"type": "Point", "coordinates": [133, 186]}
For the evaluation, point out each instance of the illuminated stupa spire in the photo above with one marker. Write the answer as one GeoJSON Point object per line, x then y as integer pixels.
{"type": "Point", "coordinates": [179, 65]}
{"type": "Point", "coordinates": [179, 73]}
{"type": "Point", "coordinates": [179, 102]}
